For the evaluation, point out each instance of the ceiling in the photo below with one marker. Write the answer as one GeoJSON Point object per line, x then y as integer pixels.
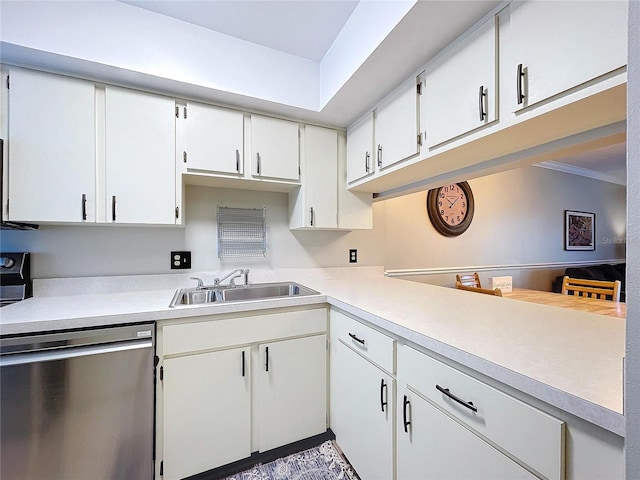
{"type": "Point", "coordinates": [302, 28]}
{"type": "Point", "coordinates": [608, 164]}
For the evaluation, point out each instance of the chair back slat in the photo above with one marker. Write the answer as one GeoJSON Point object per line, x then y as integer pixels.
{"type": "Point", "coordinates": [469, 280]}
{"type": "Point", "coordinates": [600, 289]}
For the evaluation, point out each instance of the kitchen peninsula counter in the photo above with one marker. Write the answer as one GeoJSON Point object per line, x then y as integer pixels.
{"type": "Point", "coordinates": [568, 359]}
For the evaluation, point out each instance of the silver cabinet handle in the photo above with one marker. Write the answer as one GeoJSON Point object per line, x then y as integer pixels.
{"type": "Point", "coordinates": [238, 160]}
{"type": "Point", "coordinates": [366, 161]}
{"type": "Point", "coordinates": [84, 206]}
{"type": "Point", "coordinates": [259, 162]}
{"type": "Point", "coordinates": [481, 96]}
{"type": "Point", "coordinates": [519, 80]}
{"type": "Point", "coordinates": [113, 208]}
{"type": "Point", "coordinates": [379, 155]}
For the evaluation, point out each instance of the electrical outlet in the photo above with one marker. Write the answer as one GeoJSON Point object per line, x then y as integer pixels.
{"type": "Point", "coordinates": [180, 260]}
{"type": "Point", "coordinates": [353, 255]}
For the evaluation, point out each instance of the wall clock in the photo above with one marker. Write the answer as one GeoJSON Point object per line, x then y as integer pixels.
{"type": "Point", "coordinates": [450, 208]}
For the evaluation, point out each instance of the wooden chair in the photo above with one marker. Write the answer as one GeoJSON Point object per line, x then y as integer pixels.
{"type": "Point", "coordinates": [601, 289]}
{"type": "Point", "coordinates": [496, 291]}
{"type": "Point", "coordinates": [469, 280]}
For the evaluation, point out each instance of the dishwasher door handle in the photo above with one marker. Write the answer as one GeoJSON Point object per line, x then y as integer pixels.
{"type": "Point", "coordinates": [71, 352]}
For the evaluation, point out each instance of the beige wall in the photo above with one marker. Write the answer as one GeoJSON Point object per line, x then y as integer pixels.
{"type": "Point", "coordinates": [519, 219]}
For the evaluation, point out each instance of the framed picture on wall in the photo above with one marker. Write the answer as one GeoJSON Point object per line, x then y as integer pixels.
{"type": "Point", "coordinates": [579, 230]}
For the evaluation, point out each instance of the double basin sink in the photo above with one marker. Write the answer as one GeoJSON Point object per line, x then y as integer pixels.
{"type": "Point", "coordinates": [258, 291]}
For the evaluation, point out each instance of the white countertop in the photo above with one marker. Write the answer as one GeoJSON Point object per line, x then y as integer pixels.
{"type": "Point", "coordinates": [569, 359]}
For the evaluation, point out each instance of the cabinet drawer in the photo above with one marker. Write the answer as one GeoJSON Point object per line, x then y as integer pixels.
{"type": "Point", "coordinates": [241, 330]}
{"type": "Point", "coordinates": [374, 345]}
{"type": "Point", "coordinates": [530, 435]}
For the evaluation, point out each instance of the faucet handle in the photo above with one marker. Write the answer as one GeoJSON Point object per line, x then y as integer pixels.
{"type": "Point", "coordinates": [200, 282]}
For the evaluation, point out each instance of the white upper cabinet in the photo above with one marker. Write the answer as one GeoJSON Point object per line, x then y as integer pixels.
{"type": "Point", "coordinates": [555, 46]}
{"type": "Point", "coordinates": [214, 139]}
{"type": "Point", "coordinates": [140, 157]}
{"type": "Point", "coordinates": [460, 93]}
{"type": "Point", "coordinates": [274, 148]}
{"type": "Point", "coordinates": [51, 145]}
{"type": "Point", "coordinates": [396, 126]}
{"type": "Point", "coordinates": [360, 151]}
{"type": "Point", "coordinates": [316, 203]}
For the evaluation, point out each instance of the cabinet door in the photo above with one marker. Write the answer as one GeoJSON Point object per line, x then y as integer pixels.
{"type": "Point", "coordinates": [51, 165]}
{"type": "Point", "coordinates": [583, 41]}
{"type": "Point", "coordinates": [362, 405]}
{"type": "Point", "coordinates": [460, 93]}
{"type": "Point", "coordinates": [320, 177]}
{"type": "Point", "coordinates": [292, 394]}
{"type": "Point", "coordinates": [140, 158]}
{"type": "Point", "coordinates": [396, 126]}
{"type": "Point", "coordinates": [360, 151]}
{"type": "Point", "coordinates": [214, 139]}
{"type": "Point", "coordinates": [207, 411]}
{"type": "Point", "coordinates": [434, 446]}
{"type": "Point", "coordinates": [274, 146]}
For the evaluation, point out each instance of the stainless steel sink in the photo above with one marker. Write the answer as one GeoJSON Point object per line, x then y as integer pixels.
{"type": "Point", "coordinates": [265, 290]}
{"type": "Point", "coordinates": [258, 291]}
{"type": "Point", "coordinates": [195, 297]}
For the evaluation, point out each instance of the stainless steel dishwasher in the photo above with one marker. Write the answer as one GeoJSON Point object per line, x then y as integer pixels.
{"type": "Point", "coordinates": [78, 405]}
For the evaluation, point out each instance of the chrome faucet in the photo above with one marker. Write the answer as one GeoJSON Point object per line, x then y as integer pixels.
{"type": "Point", "coordinates": [200, 285]}
{"type": "Point", "coordinates": [233, 275]}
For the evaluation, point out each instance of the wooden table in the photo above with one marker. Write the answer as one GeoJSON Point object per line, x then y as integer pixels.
{"type": "Point", "coordinates": [592, 305]}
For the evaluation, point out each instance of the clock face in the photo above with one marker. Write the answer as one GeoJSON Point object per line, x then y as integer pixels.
{"type": "Point", "coordinates": [452, 204]}
{"type": "Point", "coordinates": [451, 208]}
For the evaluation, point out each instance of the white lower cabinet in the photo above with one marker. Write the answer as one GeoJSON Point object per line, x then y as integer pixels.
{"type": "Point", "coordinates": [231, 385]}
{"type": "Point", "coordinates": [362, 413]}
{"type": "Point", "coordinates": [292, 390]}
{"type": "Point", "coordinates": [362, 394]}
{"type": "Point", "coordinates": [510, 427]}
{"type": "Point", "coordinates": [431, 445]}
{"type": "Point", "coordinates": [206, 397]}
{"type": "Point", "coordinates": [399, 413]}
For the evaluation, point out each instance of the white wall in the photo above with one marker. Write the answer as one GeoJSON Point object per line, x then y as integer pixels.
{"type": "Point", "coordinates": [72, 251]}
{"type": "Point", "coordinates": [632, 370]}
